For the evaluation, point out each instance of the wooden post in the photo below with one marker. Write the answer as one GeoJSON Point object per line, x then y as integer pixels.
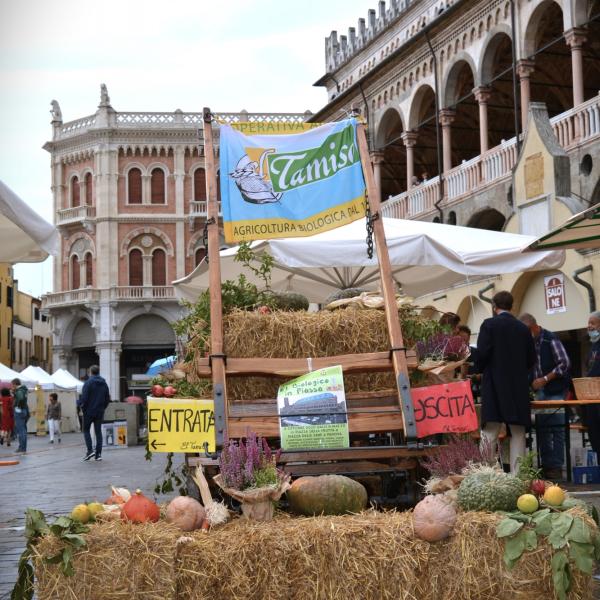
{"type": "Point", "coordinates": [217, 358]}
{"type": "Point", "coordinates": [389, 295]}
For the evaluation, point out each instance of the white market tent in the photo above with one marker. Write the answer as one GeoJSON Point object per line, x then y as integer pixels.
{"type": "Point", "coordinates": [38, 376]}
{"type": "Point", "coordinates": [66, 380]}
{"type": "Point", "coordinates": [26, 237]}
{"type": "Point", "coordinates": [7, 375]}
{"type": "Point", "coordinates": [425, 257]}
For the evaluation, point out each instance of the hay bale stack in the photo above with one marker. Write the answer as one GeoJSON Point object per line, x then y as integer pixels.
{"type": "Point", "coordinates": [301, 335]}
{"type": "Point", "coordinates": [121, 561]}
{"type": "Point", "coordinates": [370, 556]}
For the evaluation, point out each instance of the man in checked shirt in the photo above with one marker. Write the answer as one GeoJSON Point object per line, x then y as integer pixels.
{"type": "Point", "coordinates": [550, 380]}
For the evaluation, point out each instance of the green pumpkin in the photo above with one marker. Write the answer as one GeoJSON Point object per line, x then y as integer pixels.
{"type": "Point", "coordinates": [327, 495]}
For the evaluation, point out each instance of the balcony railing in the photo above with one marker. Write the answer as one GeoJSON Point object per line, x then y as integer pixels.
{"type": "Point", "coordinates": [142, 292]}
{"type": "Point", "coordinates": [572, 128]}
{"type": "Point", "coordinates": [199, 208]}
{"type": "Point", "coordinates": [66, 216]}
{"type": "Point", "coordinates": [156, 293]}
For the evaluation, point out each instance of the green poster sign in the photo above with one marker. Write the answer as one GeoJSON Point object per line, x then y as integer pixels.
{"type": "Point", "coordinates": [312, 411]}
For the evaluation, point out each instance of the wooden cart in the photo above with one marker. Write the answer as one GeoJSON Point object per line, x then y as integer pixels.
{"type": "Point", "coordinates": [381, 424]}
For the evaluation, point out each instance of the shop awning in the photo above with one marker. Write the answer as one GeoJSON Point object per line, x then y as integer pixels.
{"type": "Point", "coordinates": [582, 231]}
{"type": "Point", "coordinates": [425, 257]}
{"type": "Point", "coordinates": [26, 237]}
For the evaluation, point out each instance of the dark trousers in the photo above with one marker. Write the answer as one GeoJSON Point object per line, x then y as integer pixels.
{"type": "Point", "coordinates": [97, 423]}
{"type": "Point", "coordinates": [591, 419]}
{"type": "Point", "coordinates": [21, 430]}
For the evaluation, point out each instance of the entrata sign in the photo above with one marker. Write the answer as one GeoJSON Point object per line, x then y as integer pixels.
{"type": "Point", "coordinates": [554, 291]}
{"type": "Point", "coordinates": [181, 425]}
{"type": "Point", "coordinates": [446, 408]}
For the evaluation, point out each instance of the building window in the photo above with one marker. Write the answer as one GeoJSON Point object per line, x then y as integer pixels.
{"type": "Point", "coordinates": [134, 186]}
{"type": "Point", "coordinates": [136, 267]}
{"type": "Point", "coordinates": [159, 267]}
{"type": "Point", "coordinates": [44, 318]}
{"type": "Point", "coordinates": [8, 337]}
{"type": "Point", "coordinates": [199, 185]}
{"type": "Point", "coordinates": [157, 186]}
{"type": "Point", "coordinates": [89, 270]}
{"type": "Point", "coordinates": [20, 352]}
{"type": "Point", "coordinates": [9, 296]}
{"type": "Point", "coordinates": [75, 192]}
{"type": "Point", "coordinates": [199, 255]}
{"type": "Point", "coordinates": [75, 279]}
{"type": "Point", "coordinates": [88, 189]}
{"type": "Point", "coordinates": [36, 313]}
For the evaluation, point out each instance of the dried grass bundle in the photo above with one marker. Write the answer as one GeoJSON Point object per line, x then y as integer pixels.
{"type": "Point", "coordinates": [308, 335]}
{"type": "Point", "coordinates": [121, 561]}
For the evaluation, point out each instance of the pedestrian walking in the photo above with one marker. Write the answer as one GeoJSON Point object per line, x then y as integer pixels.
{"type": "Point", "coordinates": [506, 355]}
{"type": "Point", "coordinates": [21, 413]}
{"type": "Point", "coordinates": [95, 397]}
{"type": "Point", "coordinates": [550, 380]}
{"type": "Point", "coordinates": [7, 424]}
{"type": "Point", "coordinates": [53, 417]}
{"type": "Point", "coordinates": [591, 412]}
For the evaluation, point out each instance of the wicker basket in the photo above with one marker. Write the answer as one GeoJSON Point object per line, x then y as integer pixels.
{"type": "Point", "coordinates": [587, 388]}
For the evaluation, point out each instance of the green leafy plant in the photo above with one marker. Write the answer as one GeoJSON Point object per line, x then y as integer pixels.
{"type": "Point", "coordinates": [173, 477]}
{"type": "Point", "coordinates": [526, 471]}
{"type": "Point", "coordinates": [574, 544]}
{"type": "Point", "coordinates": [67, 530]}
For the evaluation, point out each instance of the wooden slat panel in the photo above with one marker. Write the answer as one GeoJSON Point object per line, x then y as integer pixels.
{"type": "Point", "coordinates": [358, 423]}
{"type": "Point", "coordinates": [270, 410]}
{"type": "Point", "coordinates": [353, 400]}
{"type": "Point", "coordinates": [294, 367]}
{"type": "Point", "coordinates": [359, 466]}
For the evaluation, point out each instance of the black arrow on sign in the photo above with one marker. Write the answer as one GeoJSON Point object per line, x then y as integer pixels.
{"type": "Point", "coordinates": [154, 443]}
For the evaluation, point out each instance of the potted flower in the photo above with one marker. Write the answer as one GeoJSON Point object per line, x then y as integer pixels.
{"type": "Point", "coordinates": [440, 355]}
{"type": "Point", "coordinates": [249, 474]}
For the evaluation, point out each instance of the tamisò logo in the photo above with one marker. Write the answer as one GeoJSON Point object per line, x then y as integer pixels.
{"type": "Point", "coordinates": [263, 175]}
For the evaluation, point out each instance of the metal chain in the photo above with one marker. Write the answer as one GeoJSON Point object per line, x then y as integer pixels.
{"type": "Point", "coordinates": [369, 227]}
{"type": "Point", "coordinates": [205, 236]}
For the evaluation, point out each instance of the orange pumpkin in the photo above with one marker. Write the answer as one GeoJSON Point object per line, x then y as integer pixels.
{"type": "Point", "coordinates": [139, 509]}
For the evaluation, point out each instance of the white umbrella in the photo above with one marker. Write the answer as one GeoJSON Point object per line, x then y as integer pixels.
{"type": "Point", "coordinates": [425, 257]}
{"type": "Point", "coordinates": [26, 237]}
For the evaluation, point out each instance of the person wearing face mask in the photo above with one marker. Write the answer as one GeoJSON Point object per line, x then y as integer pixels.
{"type": "Point", "coordinates": [506, 354]}
{"type": "Point", "coordinates": [591, 413]}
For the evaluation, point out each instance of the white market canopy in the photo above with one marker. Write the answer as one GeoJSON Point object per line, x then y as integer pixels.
{"type": "Point", "coordinates": [66, 380]}
{"type": "Point", "coordinates": [26, 237]}
{"type": "Point", "coordinates": [425, 257]}
{"type": "Point", "coordinates": [7, 374]}
{"type": "Point", "coordinates": [38, 376]}
{"type": "Point", "coordinates": [580, 232]}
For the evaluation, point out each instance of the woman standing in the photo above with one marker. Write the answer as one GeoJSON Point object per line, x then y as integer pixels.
{"type": "Point", "coordinates": [8, 420]}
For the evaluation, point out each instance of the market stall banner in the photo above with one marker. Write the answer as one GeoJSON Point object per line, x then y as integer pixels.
{"type": "Point", "coordinates": [312, 411]}
{"type": "Point", "coordinates": [445, 408]}
{"type": "Point", "coordinates": [181, 425]}
{"type": "Point", "coordinates": [296, 180]}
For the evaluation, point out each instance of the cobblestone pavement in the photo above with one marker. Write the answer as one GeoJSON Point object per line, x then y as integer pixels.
{"type": "Point", "coordinates": [53, 479]}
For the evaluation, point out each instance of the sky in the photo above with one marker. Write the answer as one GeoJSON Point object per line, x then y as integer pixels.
{"type": "Point", "coordinates": [258, 55]}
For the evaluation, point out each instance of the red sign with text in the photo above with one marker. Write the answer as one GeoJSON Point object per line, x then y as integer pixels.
{"type": "Point", "coordinates": [445, 408]}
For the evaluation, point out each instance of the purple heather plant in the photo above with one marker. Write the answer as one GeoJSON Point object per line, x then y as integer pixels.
{"type": "Point", "coordinates": [457, 454]}
{"type": "Point", "coordinates": [249, 464]}
{"type": "Point", "coordinates": [442, 346]}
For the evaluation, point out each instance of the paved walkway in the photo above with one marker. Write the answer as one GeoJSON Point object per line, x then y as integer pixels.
{"type": "Point", "coordinates": [53, 479]}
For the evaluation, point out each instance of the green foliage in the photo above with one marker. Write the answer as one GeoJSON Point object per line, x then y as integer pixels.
{"type": "Point", "coordinates": [526, 471]}
{"type": "Point", "coordinates": [240, 293]}
{"type": "Point", "coordinates": [573, 543]}
{"type": "Point", "coordinates": [265, 476]}
{"type": "Point", "coordinates": [173, 477]}
{"type": "Point", "coordinates": [185, 389]}
{"type": "Point", "coordinates": [288, 301]}
{"type": "Point", "coordinates": [65, 529]}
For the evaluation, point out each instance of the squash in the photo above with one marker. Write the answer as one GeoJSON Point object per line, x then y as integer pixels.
{"type": "Point", "coordinates": [433, 518]}
{"type": "Point", "coordinates": [327, 495]}
{"type": "Point", "coordinates": [139, 509]}
{"type": "Point", "coordinates": [186, 513]}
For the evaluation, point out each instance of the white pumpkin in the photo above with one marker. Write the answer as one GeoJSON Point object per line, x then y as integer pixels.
{"type": "Point", "coordinates": [433, 518]}
{"type": "Point", "coordinates": [186, 513]}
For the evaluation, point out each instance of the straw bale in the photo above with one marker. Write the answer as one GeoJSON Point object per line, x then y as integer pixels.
{"type": "Point", "coordinates": [369, 556]}
{"type": "Point", "coordinates": [121, 561]}
{"type": "Point", "coordinates": [302, 335]}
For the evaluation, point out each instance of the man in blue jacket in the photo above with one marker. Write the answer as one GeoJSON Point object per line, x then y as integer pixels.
{"type": "Point", "coordinates": [95, 397]}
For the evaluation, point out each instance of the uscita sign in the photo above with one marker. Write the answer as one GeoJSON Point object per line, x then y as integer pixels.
{"type": "Point", "coordinates": [554, 292]}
